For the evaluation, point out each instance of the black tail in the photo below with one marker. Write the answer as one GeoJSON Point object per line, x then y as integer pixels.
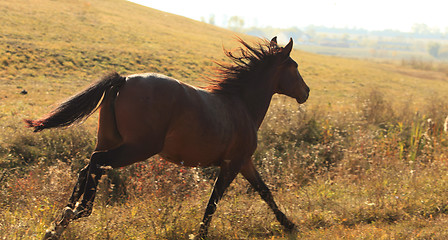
{"type": "Point", "coordinates": [78, 107]}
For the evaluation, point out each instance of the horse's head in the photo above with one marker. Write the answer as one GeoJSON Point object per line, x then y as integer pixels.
{"type": "Point", "coordinates": [289, 82]}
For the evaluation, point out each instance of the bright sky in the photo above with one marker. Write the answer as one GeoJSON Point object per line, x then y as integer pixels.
{"type": "Point", "coordinates": [372, 15]}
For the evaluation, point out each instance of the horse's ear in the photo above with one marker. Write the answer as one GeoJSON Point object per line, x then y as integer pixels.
{"type": "Point", "coordinates": [287, 49]}
{"type": "Point", "coordinates": [274, 42]}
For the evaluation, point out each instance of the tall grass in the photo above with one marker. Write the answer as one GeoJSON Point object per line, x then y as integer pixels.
{"type": "Point", "coordinates": [343, 166]}
{"type": "Point", "coordinates": [377, 166]}
{"type": "Point", "coordinates": [419, 63]}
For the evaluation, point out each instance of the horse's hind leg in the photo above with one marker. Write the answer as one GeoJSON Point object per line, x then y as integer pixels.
{"type": "Point", "coordinates": [79, 188]}
{"type": "Point", "coordinates": [119, 157]}
{"type": "Point", "coordinates": [68, 213]}
{"type": "Point", "coordinates": [88, 182]}
{"type": "Point", "coordinates": [254, 178]}
{"type": "Point", "coordinates": [86, 185]}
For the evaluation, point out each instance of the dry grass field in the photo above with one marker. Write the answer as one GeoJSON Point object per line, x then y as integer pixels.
{"type": "Point", "coordinates": [365, 158]}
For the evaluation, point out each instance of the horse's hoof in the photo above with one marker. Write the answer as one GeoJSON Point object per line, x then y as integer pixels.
{"type": "Point", "coordinates": [197, 237]}
{"type": "Point", "coordinates": [55, 231]}
{"type": "Point", "coordinates": [291, 228]}
{"type": "Point", "coordinates": [67, 216]}
{"type": "Point", "coordinates": [202, 235]}
{"type": "Point", "coordinates": [81, 211]}
{"type": "Point", "coordinates": [50, 234]}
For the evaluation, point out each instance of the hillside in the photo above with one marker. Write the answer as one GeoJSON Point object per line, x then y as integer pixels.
{"type": "Point", "coordinates": [361, 159]}
{"type": "Point", "coordinates": [59, 42]}
{"type": "Point", "coordinates": [54, 48]}
{"type": "Point", "coordinates": [90, 35]}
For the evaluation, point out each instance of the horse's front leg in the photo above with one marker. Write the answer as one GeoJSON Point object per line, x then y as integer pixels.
{"type": "Point", "coordinates": [227, 174]}
{"type": "Point", "coordinates": [254, 178]}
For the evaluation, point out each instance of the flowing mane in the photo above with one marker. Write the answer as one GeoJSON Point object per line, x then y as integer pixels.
{"type": "Point", "coordinates": [247, 60]}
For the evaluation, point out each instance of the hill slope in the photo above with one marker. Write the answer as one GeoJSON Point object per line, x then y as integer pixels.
{"type": "Point", "coordinates": [85, 36]}
{"type": "Point", "coordinates": [58, 42]}
{"type": "Point", "coordinates": [54, 48]}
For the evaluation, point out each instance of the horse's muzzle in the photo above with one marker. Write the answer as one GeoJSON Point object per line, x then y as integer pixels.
{"type": "Point", "coordinates": [302, 99]}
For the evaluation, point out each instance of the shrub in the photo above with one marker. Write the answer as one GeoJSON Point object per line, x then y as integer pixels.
{"type": "Point", "coordinates": [375, 108]}
{"type": "Point", "coordinates": [73, 145]}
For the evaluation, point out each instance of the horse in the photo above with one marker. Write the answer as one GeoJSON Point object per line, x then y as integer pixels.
{"type": "Point", "coordinates": [142, 115]}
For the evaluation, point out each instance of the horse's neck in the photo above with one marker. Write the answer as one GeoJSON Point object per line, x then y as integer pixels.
{"type": "Point", "coordinates": [257, 98]}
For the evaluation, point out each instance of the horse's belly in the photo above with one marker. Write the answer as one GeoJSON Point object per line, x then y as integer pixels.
{"type": "Point", "coordinates": [189, 161]}
{"type": "Point", "coordinates": [193, 153]}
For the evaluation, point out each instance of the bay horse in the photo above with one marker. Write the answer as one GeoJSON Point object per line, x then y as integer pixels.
{"type": "Point", "coordinates": [146, 114]}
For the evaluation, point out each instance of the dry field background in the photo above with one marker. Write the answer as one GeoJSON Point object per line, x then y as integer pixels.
{"type": "Point", "coordinates": [365, 158]}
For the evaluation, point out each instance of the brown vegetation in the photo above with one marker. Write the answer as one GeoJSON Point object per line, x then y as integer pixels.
{"type": "Point", "coordinates": [366, 157]}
